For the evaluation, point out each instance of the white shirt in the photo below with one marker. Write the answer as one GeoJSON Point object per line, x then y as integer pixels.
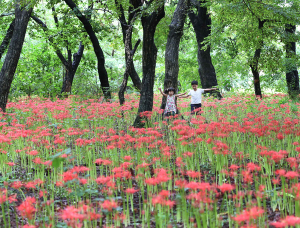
{"type": "Point", "coordinates": [196, 96]}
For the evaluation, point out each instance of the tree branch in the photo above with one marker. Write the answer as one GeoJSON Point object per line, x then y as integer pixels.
{"type": "Point", "coordinates": [7, 14]}
{"type": "Point", "coordinates": [58, 52]}
{"type": "Point", "coordinates": [7, 38]}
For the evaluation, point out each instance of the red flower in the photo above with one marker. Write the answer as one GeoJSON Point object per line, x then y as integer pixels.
{"type": "Point", "coordinates": [291, 175]}
{"type": "Point", "coordinates": [27, 208]}
{"type": "Point", "coordinates": [109, 205]}
{"type": "Point", "coordinates": [226, 187]}
{"type": "Point", "coordinates": [131, 191]}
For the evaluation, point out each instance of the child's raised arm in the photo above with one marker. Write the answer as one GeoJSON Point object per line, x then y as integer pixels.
{"type": "Point", "coordinates": [184, 96]}
{"type": "Point", "coordinates": [162, 93]}
{"type": "Point", "coordinates": [210, 89]}
{"type": "Point", "coordinates": [180, 95]}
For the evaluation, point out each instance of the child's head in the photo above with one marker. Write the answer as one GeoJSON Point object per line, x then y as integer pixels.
{"type": "Point", "coordinates": [194, 85]}
{"type": "Point", "coordinates": [171, 91]}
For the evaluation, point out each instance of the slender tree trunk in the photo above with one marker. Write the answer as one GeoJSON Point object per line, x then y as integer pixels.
{"type": "Point", "coordinates": [125, 25]}
{"type": "Point", "coordinates": [7, 38]}
{"type": "Point", "coordinates": [13, 53]}
{"type": "Point", "coordinates": [68, 80]}
{"type": "Point", "coordinates": [130, 53]}
{"type": "Point", "coordinates": [149, 24]}
{"type": "Point", "coordinates": [292, 77]}
{"type": "Point", "coordinates": [172, 47]}
{"type": "Point", "coordinates": [255, 61]}
{"type": "Point", "coordinates": [97, 49]}
{"type": "Point", "coordinates": [201, 23]}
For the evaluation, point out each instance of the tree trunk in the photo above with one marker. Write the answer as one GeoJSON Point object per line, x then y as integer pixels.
{"type": "Point", "coordinates": [97, 49]}
{"type": "Point", "coordinates": [130, 53]}
{"type": "Point", "coordinates": [201, 23]}
{"type": "Point", "coordinates": [125, 25]}
{"type": "Point", "coordinates": [70, 67]}
{"type": "Point", "coordinates": [292, 77]}
{"type": "Point", "coordinates": [13, 54]}
{"type": "Point", "coordinates": [255, 61]}
{"type": "Point", "coordinates": [149, 24]}
{"type": "Point", "coordinates": [68, 80]}
{"type": "Point", "coordinates": [172, 47]}
{"type": "Point", "coordinates": [7, 38]}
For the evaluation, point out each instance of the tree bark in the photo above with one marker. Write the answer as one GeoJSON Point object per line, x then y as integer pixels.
{"type": "Point", "coordinates": [7, 38]}
{"type": "Point", "coordinates": [97, 49]}
{"type": "Point", "coordinates": [201, 23]}
{"type": "Point", "coordinates": [130, 53]}
{"type": "Point", "coordinates": [292, 77]}
{"type": "Point", "coordinates": [255, 61]}
{"type": "Point", "coordinates": [71, 70]}
{"type": "Point", "coordinates": [13, 53]}
{"type": "Point", "coordinates": [71, 67]}
{"type": "Point", "coordinates": [125, 25]}
{"type": "Point", "coordinates": [149, 24]}
{"type": "Point", "coordinates": [172, 47]}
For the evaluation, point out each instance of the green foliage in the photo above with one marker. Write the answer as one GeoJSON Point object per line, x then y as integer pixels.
{"type": "Point", "coordinates": [235, 36]}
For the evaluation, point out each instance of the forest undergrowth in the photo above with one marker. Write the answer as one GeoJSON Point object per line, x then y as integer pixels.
{"type": "Point", "coordinates": [80, 163]}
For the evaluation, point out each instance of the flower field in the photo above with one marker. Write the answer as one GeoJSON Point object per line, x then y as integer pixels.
{"type": "Point", "coordinates": [80, 163]}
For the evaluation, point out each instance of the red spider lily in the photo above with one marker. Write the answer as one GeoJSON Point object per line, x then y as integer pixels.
{"type": "Point", "coordinates": [253, 167]}
{"type": "Point", "coordinates": [131, 190]}
{"type": "Point", "coordinates": [193, 174]}
{"type": "Point", "coordinates": [160, 200]}
{"type": "Point", "coordinates": [100, 161]}
{"type": "Point", "coordinates": [27, 208]}
{"type": "Point", "coordinates": [103, 179]}
{"type": "Point", "coordinates": [164, 193]}
{"type": "Point", "coordinates": [16, 184]}
{"type": "Point", "coordinates": [287, 221]}
{"type": "Point", "coordinates": [34, 153]}
{"type": "Point", "coordinates": [247, 176]}
{"type": "Point", "coordinates": [181, 183]}
{"type": "Point", "coordinates": [79, 169]}
{"type": "Point", "coordinates": [29, 226]}
{"type": "Point", "coordinates": [234, 167]}
{"type": "Point", "coordinates": [247, 215]}
{"type": "Point", "coordinates": [280, 136]}
{"type": "Point", "coordinates": [127, 158]}
{"type": "Point", "coordinates": [69, 175]}
{"type": "Point", "coordinates": [226, 188]}
{"type": "Point", "coordinates": [42, 193]}
{"type": "Point", "coordinates": [109, 205]}
{"type": "Point", "coordinates": [10, 163]}
{"type": "Point", "coordinates": [280, 172]}
{"type": "Point", "coordinates": [291, 175]}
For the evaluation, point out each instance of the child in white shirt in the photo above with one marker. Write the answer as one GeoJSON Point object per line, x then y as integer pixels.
{"type": "Point", "coordinates": [196, 95]}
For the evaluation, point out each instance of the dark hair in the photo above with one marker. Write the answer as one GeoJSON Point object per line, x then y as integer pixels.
{"type": "Point", "coordinates": [194, 83]}
{"type": "Point", "coordinates": [171, 89]}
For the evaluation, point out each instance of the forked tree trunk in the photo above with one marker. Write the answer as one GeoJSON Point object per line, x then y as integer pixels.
{"type": "Point", "coordinates": [201, 22]}
{"type": "Point", "coordinates": [133, 10]}
{"type": "Point", "coordinates": [7, 38]}
{"type": "Point", "coordinates": [71, 70]}
{"type": "Point", "coordinates": [13, 53]}
{"type": "Point", "coordinates": [130, 53]}
{"type": "Point", "coordinates": [172, 47]}
{"type": "Point", "coordinates": [292, 77]}
{"type": "Point", "coordinates": [97, 49]}
{"type": "Point", "coordinates": [255, 61]}
{"type": "Point", "coordinates": [149, 24]}
{"type": "Point", "coordinates": [70, 67]}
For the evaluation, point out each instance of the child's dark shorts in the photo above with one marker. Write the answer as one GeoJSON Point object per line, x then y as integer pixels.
{"type": "Point", "coordinates": [195, 106]}
{"type": "Point", "coordinates": [170, 113]}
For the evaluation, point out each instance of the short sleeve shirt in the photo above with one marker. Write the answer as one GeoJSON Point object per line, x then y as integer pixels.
{"type": "Point", "coordinates": [196, 96]}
